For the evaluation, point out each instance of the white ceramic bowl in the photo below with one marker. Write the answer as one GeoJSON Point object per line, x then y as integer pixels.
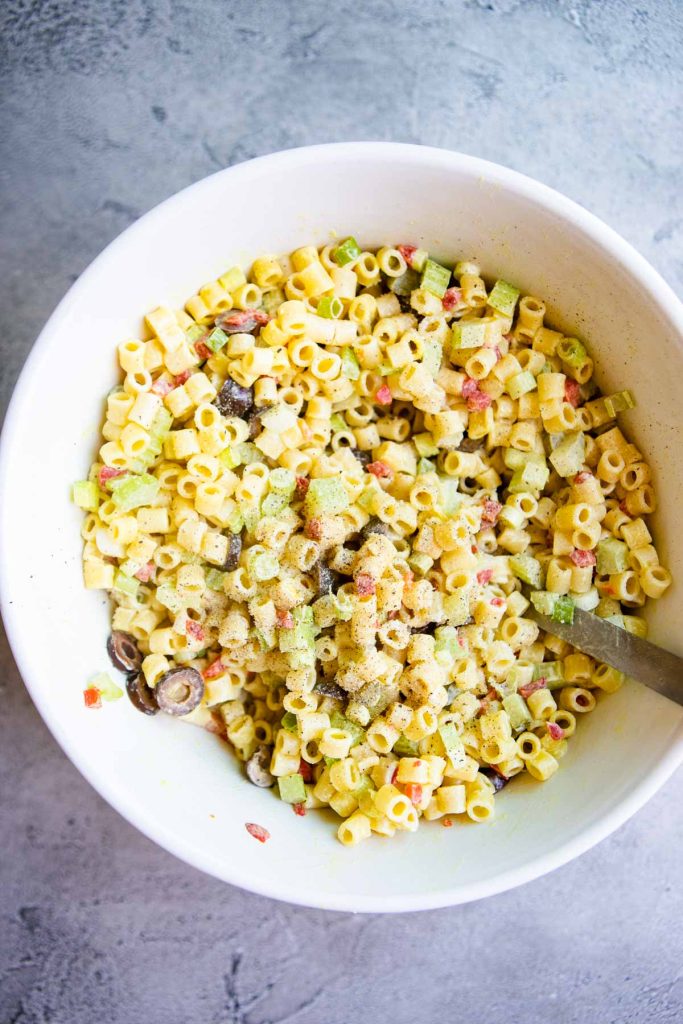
{"type": "Point", "coordinates": [179, 785]}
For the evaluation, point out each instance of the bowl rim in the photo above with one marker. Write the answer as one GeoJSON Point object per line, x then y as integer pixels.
{"type": "Point", "coordinates": [610, 242]}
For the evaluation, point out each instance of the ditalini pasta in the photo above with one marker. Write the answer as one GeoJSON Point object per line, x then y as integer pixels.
{"type": "Point", "coordinates": [320, 490]}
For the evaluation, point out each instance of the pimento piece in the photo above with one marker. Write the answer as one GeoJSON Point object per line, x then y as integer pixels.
{"type": "Point", "coordinates": [257, 831]}
{"type": "Point", "coordinates": [216, 668]}
{"type": "Point", "coordinates": [572, 392]}
{"type": "Point", "coordinates": [365, 584]}
{"type": "Point", "coordinates": [529, 688]}
{"type": "Point", "coordinates": [486, 700]}
{"type": "Point", "coordinates": [476, 399]}
{"type": "Point", "coordinates": [302, 485]}
{"type": "Point", "coordinates": [182, 378]}
{"type": "Point", "coordinates": [305, 770]}
{"type": "Point", "coordinates": [555, 731]}
{"type": "Point", "coordinates": [92, 698]}
{"type": "Point", "coordinates": [194, 630]}
{"type": "Point", "coordinates": [108, 473]}
{"type": "Point", "coordinates": [492, 510]}
{"type": "Point", "coordinates": [497, 602]}
{"type": "Point", "coordinates": [394, 775]}
{"type": "Point", "coordinates": [202, 350]}
{"type": "Point", "coordinates": [242, 321]}
{"type": "Point", "coordinates": [484, 576]}
{"type": "Point", "coordinates": [162, 387]}
{"type": "Point", "coordinates": [583, 558]}
{"type": "Point", "coordinates": [413, 790]}
{"type": "Point", "coordinates": [284, 620]}
{"type": "Point", "coordinates": [581, 477]}
{"type": "Point", "coordinates": [447, 823]}
{"type": "Point", "coordinates": [146, 572]}
{"type": "Point", "coordinates": [379, 469]}
{"type": "Point", "coordinates": [451, 298]}
{"type": "Point", "coordinates": [299, 810]}
{"type": "Point", "coordinates": [407, 252]}
{"type": "Point", "coordinates": [383, 395]}
{"type": "Point", "coordinates": [314, 528]}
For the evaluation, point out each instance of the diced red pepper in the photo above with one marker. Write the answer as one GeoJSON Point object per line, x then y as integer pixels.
{"type": "Point", "coordinates": [408, 576]}
{"type": "Point", "coordinates": [202, 350]}
{"type": "Point", "coordinates": [194, 630]}
{"type": "Point", "coordinates": [486, 700]}
{"type": "Point", "coordinates": [305, 770]}
{"type": "Point", "coordinates": [146, 572]}
{"type": "Point", "coordinates": [284, 619]}
{"type": "Point", "coordinates": [572, 392]}
{"type": "Point", "coordinates": [492, 510]}
{"type": "Point", "coordinates": [216, 668]}
{"type": "Point", "coordinates": [407, 252]}
{"type": "Point", "coordinates": [447, 823]}
{"type": "Point", "coordinates": [529, 688]}
{"type": "Point", "coordinates": [108, 473]}
{"type": "Point", "coordinates": [181, 378]}
{"type": "Point", "coordinates": [365, 584]}
{"type": "Point", "coordinates": [162, 387]}
{"type": "Point", "coordinates": [379, 469]}
{"type": "Point", "coordinates": [451, 298]}
{"type": "Point", "coordinates": [257, 831]}
{"type": "Point", "coordinates": [484, 576]}
{"type": "Point", "coordinates": [413, 790]}
{"type": "Point", "coordinates": [302, 485]}
{"type": "Point", "coordinates": [234, 320]}
{"type": "Point", "coordinates": [314, 528]}
{"type": "Point", "coordinates": [583, 558]}
{"type": "Point", "coordinates": [555, 731]}
{"type": "Point", "coordinates": [92, 697]}
{"type": "Point", "coordinates": [476, 399]}
{"type": "Point", "coordinates": [394, 774]}
{"type": "Point", "coordinates": [497, 602]}
{"type": "Point", "coordinates": [581, 477]}
{"type": "Point", "coordinates": [299, 809]}
{"type": "Point", "coordinates": [383, 395]}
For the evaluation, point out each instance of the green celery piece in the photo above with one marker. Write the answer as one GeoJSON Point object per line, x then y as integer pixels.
{"type": "Point", "coordinates": [347, 252]}
{"type": "Point", "coordinates": [289, 722]}
{"type": "Point", "coordinates": [563, 611]}
{"type": "Point", "coordinates": [446, 639]}
{"type": "Point", "coordinates": [468, 334]}
{"type": "Point", "coordinates": [86, 494]}
{"type": "Point", "coordinates": [572, 352]}
{"type": "Point", "coordinates": [432, 354]}
{"type": "Point", "coordinates": [337, 422]}
{"type": "Point", "coordinates": [236, 522]}
{"type": "Point", "coordinates": [329, 761]}
{"type": "Point", "coordinates": [527, 569]}
{"type": "Point", "coordinates": [161, 424]}
{"type": "Point", "coordinates": [517, 711]}
{"type": "Point", "coordinates": [435, 278]}
{"type": "Point", "coordinates": [302, 634]}
{"type": "Point", "coordinates": [340, 721]}
{"type": "Point", "coordinates": [503, 298]}
{"type": "Point", "coordinates": [126, 584]}
{"type": "Point", "coordinates": [514, 459]}
{"type": "Point", "coordinates": [350, 364]}
{"type": "Point", "coordinates": [134, 491]}
{"type": "Point", "coordinates": [418, 260]}
{"type": "Point", "coordinates": [215, 579]}
{"type": "Point", "coordinates": [425, 445]}
{"type": "Point", "coordinates": [282, 481]}
{"type": "Point", "coordinates": [264, 566]}
{"type": "Point", "coordinates": [520, 384]}
{"type": "Point", "coordinates": [274, 503]}
{"type": "Point", "coordinates": [250, 516]}
{"type": "Point", "coordinates": [109, 691]}
{"type": "Point", "coordinates": [406, 283]}
{"type": "Point", "coordinates": [552, 672]}
{"type": "Point", "coordinates": [619, 402]}
{"type": "Point", "coordinates": [272, 300]}
{"type": "Point", "coordinates": [405, 747]}
{"type": "Point", "coordinates": [612, 556]}
{"type": "Point", "coordinates": [456, 607]}
{"type": "Point", "coordinates": [247, 453]}
{"type": "Point", "coordinates": [292, 788]}
{"type": "Point", "coordinates": [326, 495]}
{"type": "Point", "coordinates": [266, 638]}
{"type": "Point", "coordinates": [194, 333]}
{"type": "Point", "coordinates": [543, 601]}
{"type": "Point", "coordinates": [425, 466]}
{"type": "Point", "coordinates": [568, 458]}
{"type": "Point", "coordinates": [519, 675]}
{"type": "Point", "coordinates": [533, 476]}
{"type": "Point", "coordinates": [330, 306]}
{"type": "Point", "coordinates": [167, 595]}
{"type": "Point", "coordinates": [420, 563]}
{"type": "Point", "coordinates": [229, 458]}
{"type": "Point", "coordinates": [216, 340]}
{"type": "Point", "coordinates": [453, 745]}
{"type": "Point", "coordinates": [343, 607]}
{"type": "Point", "coordinates": [451, 498]}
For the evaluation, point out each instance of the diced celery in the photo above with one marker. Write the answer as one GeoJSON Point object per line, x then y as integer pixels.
{"type": "Point", "coordinates": [425, 445]}
{"type": "Point", "coordinates": [264, 566]}
{"type": "Point", "coordinates": [326, 495]}
{"type": "Point", "coordinates": [419, 563]}
{"type": "Point", "coordinates": [340, 721]}
{"type": "Point", "coordinates": [456, 607]}
{"type": "Point", "coordinates": [350, 364]}
{"type": "Point", "coordinates": [272, 300]}
{"type": "Point", "coordinates": [161, 424]}
{"type": "Point", "coordinates": [533, 476]}
{"type": "Point", "coordinates": [514, 459]}
{"type": "Point", "coordinates": [451, 498]}
{"type": "Point", "coordinates": [612, 556]}
{"type": "Point", "coordinates": [405, 747]}
{"type": "Point", "coordinates": [527, 569]}
{"type": "Point", "coordinates": [619, 402]}
{"type": "Point", "coordinates": [453, 745]}
{"type": "Point", "coordinates": [274, 503]}
{"type": "Point", "coordinates": [435, 278]}
{"type": "Point", "coordinates": [517, 711]}
{"type": "Point", "coordinates": [347, 252]}
{"type": "Point", "coordinates": [468, 334]}
{"type": "Point", "coordinates": [134, 491]}
{"type": "Point", "coordinates": [519, 675]}
{"type": "Point", "coordinates": [520, 383]}
{"type": "Point", "coordinates": [302, 635]}
{"type": "Point", "coordinates": [563, 611]}
{"type": "Point", "coordinates": [425, 466]}
{"type": "Point", "coordinates": [194, 333]}
{"type": "Point", "coordinates": [552, 672]}
{"type": "Point", "coordinates": [406, 283]}
{"type": "Point", "coordinates": [247, 453]}
{"type": "Point", "coordinates": [568, 458]}
{"type": "Point", "coordinates": [86, 494]}
{"type": "Point", "coordinates": [572, 352]}
{"type": "Point", "coordinates": [330, 306]}
{"type": "Point", "coordinates": [503, 298]}
{"type": "Point", "coordinates": [337, 422]}
{"type": "Point", "coordinates": [446, 639]}
{"type": "Point", "coordinates": [229, 458]}
{"type": "Point", "coordinates": [292, 788]}
{"type": "Point", "coordinates": [236, 522]}
{"type": "Point", "coordinates": [282, 481]}
{"type": "Point", "coordinates": [432, 354]}
{"type": "Point", "coordinates": [543, 601]}
{"type": "Point", "coordinates": [343, 607]}
{"type": "Point", "coordinates": [126, 584]}
{"type": "Point", "coordinates": [216, 340]}
{"type": "Point", "coordinates": [215, 579]}
{"type": "Point", "coordinates": [289, 722]}
{"type": "Point", "coordinates": [250, 517]}
{"type": "Point", "coordinates": [109, 691]}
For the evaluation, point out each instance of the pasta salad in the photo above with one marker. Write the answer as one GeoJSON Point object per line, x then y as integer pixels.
{"type": "Point", "coordinates": [327, 494]}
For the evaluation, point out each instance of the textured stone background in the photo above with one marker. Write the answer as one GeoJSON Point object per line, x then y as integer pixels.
{"type": "Point", "coordinates": [109, 106]}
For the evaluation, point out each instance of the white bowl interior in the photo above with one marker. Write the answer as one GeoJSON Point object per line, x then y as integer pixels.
{"type": "Point", "coordinates": [180, 785]}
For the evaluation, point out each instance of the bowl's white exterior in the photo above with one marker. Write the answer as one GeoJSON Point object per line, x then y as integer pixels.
{"type": "Point", "coordinates": [179, 785]}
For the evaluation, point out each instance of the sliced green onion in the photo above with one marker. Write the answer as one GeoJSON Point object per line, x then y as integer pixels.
{"type": "Point", "coordinates": [619, 402]}
{"type": "Point", "coordinates": [215, 579]}
{"type": "Point", "coordinates": [330, 306]}
{"type": "Point", "coordinates": [347, 252]}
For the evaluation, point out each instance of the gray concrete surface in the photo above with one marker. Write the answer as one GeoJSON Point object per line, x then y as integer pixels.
{"type": "Point", "coordinates": [109, 106]}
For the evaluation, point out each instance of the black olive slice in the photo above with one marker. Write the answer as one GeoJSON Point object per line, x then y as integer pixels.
{"type": "Point", "coordinates": [123, 651]}
{"type": "Point", "coordinates": [140, 694]}
{"type": "Point", "coordinates": [258, 768]}
{"type": "Point", "coordinates": [179, 691]}
{"type": "Point", "coordinates": [234, 400]}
